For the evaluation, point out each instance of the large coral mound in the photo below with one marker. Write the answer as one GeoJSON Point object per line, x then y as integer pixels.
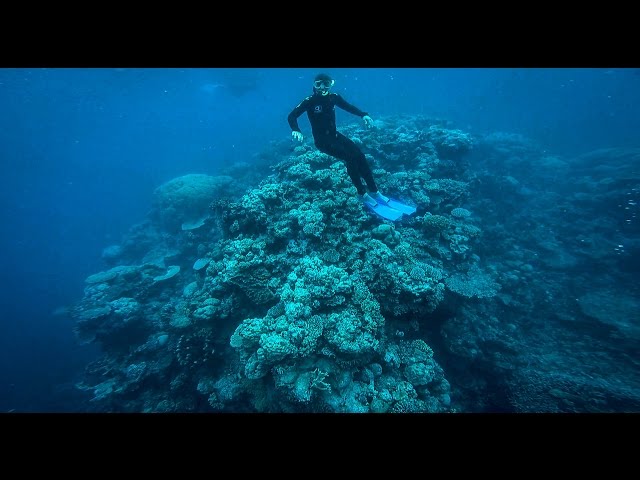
{"type": "Point", "coordinates": [303, 300]}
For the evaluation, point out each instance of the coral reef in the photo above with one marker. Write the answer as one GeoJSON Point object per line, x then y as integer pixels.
{"type": "Point", "coordinates": [286, 295]}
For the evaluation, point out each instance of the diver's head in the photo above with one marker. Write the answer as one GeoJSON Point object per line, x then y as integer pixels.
{"type": "Point", "coordinates": [323, 83]}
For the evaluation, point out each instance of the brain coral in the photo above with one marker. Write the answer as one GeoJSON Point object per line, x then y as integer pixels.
{"type": "Point", "coordinates": [186, 199]}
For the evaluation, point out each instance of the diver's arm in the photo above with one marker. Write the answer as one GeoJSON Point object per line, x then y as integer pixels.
{"type": "Point", "coordinates": [346, 106]}
{"type": "Point", "coordinates": [295, 113]}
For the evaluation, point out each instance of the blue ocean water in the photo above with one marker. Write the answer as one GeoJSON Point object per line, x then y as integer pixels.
{"type": "Point", "coordinates": [83, 151]}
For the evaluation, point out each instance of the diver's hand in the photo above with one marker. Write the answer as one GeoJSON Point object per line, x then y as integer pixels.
{"type": "Point", "coordinates": [368, 121]}
{"type": "Point", "coordinates": [297, 136]}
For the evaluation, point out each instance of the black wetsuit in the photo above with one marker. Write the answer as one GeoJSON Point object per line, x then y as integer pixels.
{"type": "Point", "coordinates": [322, 116]}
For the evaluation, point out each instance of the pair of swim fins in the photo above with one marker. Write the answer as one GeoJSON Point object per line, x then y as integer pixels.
{"type": "Point", "coordinates": [392, 210]}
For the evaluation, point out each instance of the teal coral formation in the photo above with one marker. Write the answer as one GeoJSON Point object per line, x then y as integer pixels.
{"type": "Point", "coordinates": [304, 302]}
{"type": "Point", "coordinates": [293, 296]}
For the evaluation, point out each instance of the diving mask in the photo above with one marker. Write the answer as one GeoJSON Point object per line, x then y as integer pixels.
{"type": "Point", "coordinates": [323, 86]}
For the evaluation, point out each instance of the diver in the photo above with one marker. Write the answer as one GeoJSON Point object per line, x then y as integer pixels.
{"type": "Point", "coordinates": [320, 108]}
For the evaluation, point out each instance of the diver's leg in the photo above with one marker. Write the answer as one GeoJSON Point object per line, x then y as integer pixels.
{"type": "Point", "coordinates": [357, 162]}
{"type": "Point", "coordinates": [340, 149]}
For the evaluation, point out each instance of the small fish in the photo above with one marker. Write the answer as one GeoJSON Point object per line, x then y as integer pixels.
{"type": "Point", "coordinates": [211, 87]}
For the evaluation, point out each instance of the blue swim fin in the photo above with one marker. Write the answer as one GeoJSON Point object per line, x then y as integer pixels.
{"type": "Point", "coordinates": [404, 208]}
{"type": "Point", "coordinates": [385, 211]}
